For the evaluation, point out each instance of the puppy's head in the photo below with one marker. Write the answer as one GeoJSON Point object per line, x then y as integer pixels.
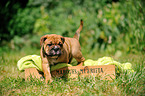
{"type": "Point", "coordinates": [52, 45]}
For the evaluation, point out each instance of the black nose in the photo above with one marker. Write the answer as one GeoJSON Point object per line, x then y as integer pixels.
{"type": "Point", "coordinates": [55, 48]}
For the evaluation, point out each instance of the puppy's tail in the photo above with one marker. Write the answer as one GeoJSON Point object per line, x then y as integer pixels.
{"type": "Point", "coordinates": [77, 34]}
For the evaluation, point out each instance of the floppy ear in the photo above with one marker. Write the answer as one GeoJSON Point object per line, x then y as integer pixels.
{"type": "Point", "coordinates": [43, 38]}
{"type": "Point", "coordinates": [63, 39]}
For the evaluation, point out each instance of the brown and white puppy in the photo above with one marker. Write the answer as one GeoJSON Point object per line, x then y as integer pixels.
{"type": "Point", "coordinates": [57, 49]}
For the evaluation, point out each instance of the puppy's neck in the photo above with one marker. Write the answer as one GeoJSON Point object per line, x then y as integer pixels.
{"type": "Point", "coordinates": [53, 61]}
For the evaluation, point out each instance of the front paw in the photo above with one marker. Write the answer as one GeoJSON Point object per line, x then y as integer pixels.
{"type": "Point", "coordinates": [48, 81]}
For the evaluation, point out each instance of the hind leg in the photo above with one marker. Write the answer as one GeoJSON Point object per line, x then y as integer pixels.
{"type": "Point", "coordinates": [79, 58]}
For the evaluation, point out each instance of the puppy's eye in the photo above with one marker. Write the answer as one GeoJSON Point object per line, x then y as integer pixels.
{"type": "Point", "coordinates": [60, 44]}
{"type": "Point", "coordinates": [49, 44]}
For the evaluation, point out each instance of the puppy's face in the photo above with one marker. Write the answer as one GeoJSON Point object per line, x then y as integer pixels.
{"type": "Point", "coordinates": [52, 45]}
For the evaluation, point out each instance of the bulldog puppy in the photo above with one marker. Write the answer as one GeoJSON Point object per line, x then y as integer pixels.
{"type": "Point", "coordinates": [57, 49]}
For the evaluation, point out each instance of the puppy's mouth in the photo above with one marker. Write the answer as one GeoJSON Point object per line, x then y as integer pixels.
{"type": "Point", "coordinates": [54, 52]}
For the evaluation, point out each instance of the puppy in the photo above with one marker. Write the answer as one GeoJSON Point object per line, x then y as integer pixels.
{"type": "Point", "coordinates": [57, 49]}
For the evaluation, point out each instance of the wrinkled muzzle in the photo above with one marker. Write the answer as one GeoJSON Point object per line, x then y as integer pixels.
{"type": "Point", "coordinates": [55, 51]}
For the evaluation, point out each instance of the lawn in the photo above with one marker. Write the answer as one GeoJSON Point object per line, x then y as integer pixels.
{"type": "Point", "coordinates": [12, 81]}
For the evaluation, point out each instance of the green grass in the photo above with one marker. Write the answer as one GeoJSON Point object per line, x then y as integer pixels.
{"type": "Point", "coordinates": [12, 81]}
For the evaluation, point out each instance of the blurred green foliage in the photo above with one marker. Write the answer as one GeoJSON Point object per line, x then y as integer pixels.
{"type": "Point", "coordinates": [109, 25]}
{"type": "Point", "coordinates": [8, 9]}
